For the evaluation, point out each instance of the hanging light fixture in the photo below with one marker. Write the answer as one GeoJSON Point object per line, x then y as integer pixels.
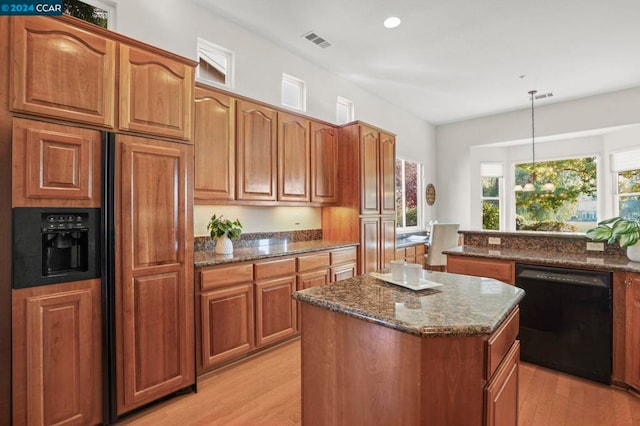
{"type": "Point", "coordinates": [530, 186]}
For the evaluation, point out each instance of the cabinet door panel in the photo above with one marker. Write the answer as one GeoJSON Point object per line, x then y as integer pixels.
{"type": "Point", "coordinates": [369, 245]}
{"type": "Point", "coordinates": [501, 394]}
{"type": "Point", "coordinates": [214, 140]}
{"type": "Point", "coordinates": [227, 323]}
{"type": "Point", "coordinates": [324, 163]}
{"type": "Point", "coordinates": [57, 354]}
{"type": "Point", "coordinates": [256, 161]}
{"type": "Point", "coordinates": [388, 241]}
{"type": "Point", "coordinates": [343, 272]}
{"type": "Point", "coordinates": [156, 94]}
{"type": "Point", "coordinates": [62, 71]}
{"type": "Point", "coordinates": [293, 158]}
{"type": "Point", "coordinates": [387, 174]}
{"type": "Point", "coordinates": [369, 167]}
{"type": "Point", "coordinates": [154, 279]}
{"type": "Point", "coordinates": [55, 165]}
{"type": "Point", "coordinates": [632, 330]}
{"type": "Point", "coordinates": [275, 310]}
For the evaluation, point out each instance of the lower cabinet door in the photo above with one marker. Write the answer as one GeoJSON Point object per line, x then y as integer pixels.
{"type": "Point", "coordinates": [632, 330]}
{"type": "Point", "coordinates": [501, 394]}
{"type": "Point", "coordinates": [275, 310]}
{"type": "Point", "coordinates": [227, 323]}
{"type": "Point", "coordinates": [343, 272]}
{"type": "Point", "coordinates": [57, 356]}
{"type": "Point", "coordinates": [308, 280]}
{"type": "Point", "coordinates": [369, 245]}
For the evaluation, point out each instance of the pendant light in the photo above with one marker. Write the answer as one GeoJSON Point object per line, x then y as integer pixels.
{"type": "Point", "coordinates": [530, 186]}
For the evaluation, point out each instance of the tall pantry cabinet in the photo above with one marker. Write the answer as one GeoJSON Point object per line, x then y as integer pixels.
{"type": "Point", "coordinates": [366, 210]}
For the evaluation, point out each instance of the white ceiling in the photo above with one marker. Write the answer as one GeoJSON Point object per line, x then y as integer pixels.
{"type": "Point", "coordinates": [452, 60]}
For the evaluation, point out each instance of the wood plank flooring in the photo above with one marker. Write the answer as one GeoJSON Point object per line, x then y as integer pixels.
{"type": "Point", "coordinates": [266, 391]}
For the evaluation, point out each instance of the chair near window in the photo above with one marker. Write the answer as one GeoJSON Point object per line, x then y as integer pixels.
{"type": "Point", "coordinates": [443, 237]}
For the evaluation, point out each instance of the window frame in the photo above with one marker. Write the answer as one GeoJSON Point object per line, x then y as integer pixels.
{"type": "Point", "coordinates": [107, 6]}
{"type": "Point", "coordinates": [204, 44]}
{"type": "Point", "coordinates": [501, 192]}
{"type": "Point", "coordinates": [419, 201]}
{"type": "Point", "coordinates": [348, 104]}
{"type": "Point", "coordinates": [631, 159]}
{"type": "Point", "coordinates": [616, 188]}
{"type": "Point", "coordinates": [301, 84]}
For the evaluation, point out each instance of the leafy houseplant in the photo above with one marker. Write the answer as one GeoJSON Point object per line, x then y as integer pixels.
{"type": "Point", "coordinates": [224, 230]}
{"type": "Point", "coordinates": [626, 232]}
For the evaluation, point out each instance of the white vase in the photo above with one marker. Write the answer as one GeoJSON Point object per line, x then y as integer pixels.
{"type": "Point", "coordinates": [633, 252]}
{"type": "Point", "coordinates": [224, 245]}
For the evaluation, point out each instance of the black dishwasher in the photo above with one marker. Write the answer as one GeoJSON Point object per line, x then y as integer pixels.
{"type": "Point", "coordinates": [566, 320]}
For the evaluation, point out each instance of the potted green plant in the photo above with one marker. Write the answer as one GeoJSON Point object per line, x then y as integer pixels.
{"type": "Point", "coordinates": [625, 232]}
{"type": "Point", "coordinates": [224, 230]}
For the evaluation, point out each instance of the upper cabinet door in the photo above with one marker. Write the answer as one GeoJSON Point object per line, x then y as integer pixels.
{"type": "Point", "coordinates": [55, 165]}
{"type": "Point", "coordinates": [156, 94]}
{"type": "Point", "coordinates": [293, 158]}
{"type": "Point", "coordinates": [369, 166]}
{"type": "Point", "coordinates": [387, 174]}
{"type": "Point", "coordinates": [324, 163]}
{"type": "Point", "coordinates": [214, 139]}
{"type": "Point", "coordinates": [256, 160]}
{"type": "Point", "coordinates": [62, 71]}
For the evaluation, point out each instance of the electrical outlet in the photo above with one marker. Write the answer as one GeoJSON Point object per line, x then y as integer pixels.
{"type": "Point", "coordinates": [591, 246]}
{"type": "Point", "coordinates": [297, 220]}
{"type": "Point", "coordinates": [494, 240]}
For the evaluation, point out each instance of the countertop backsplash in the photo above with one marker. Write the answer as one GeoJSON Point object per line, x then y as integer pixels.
{"type": "Point", "coordinates": [205, 243]}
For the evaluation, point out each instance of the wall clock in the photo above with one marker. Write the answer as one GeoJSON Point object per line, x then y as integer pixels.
{"type": "Point", "coordinates": [431, 194]}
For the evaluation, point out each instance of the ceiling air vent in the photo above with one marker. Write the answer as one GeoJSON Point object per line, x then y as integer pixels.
{"type": "Point", "coordinates": [544, 95]}
{"type": "Point", "coordinates": [316, 39]}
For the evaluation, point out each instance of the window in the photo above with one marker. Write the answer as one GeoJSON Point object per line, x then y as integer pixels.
{"type": "Point", "coordinates": [344, 111]}
{"type": "Point", "coordinates": [571, 207]}
{"type": "Point", "coordinates": [215, 64]}
{"type": "Point", "coordinates": [408, 194]}
{"type": "Point", "coordinates": [492, 182]}
{"type": "Point", "coordinates": [294, 92]}
{"type": "Point", "coordinates": [626, 169]}
{"type": "Point", "coordinates": [97, 12]}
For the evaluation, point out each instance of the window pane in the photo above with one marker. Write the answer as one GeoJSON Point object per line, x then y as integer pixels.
{"type": "Point", "coordinates": [411, 193]}
{"type": "Point", "coordinates": [399, 195]}
{"type": "Point", "coordinates": [490, 187]}
{"type": "Point", "coordinates": [491, 214]}
{"type": "Point", "coordinates": [570, 207]}
{"type": "Point", "coordinates": [630, 207]}
{"type": "Point", "coordinates": [86, 12]}
{"type": "Point", "coordinates": [629, 182]}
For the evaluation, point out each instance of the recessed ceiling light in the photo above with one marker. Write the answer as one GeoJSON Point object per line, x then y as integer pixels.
{"type": "Point", "coordinates": [392, 22]}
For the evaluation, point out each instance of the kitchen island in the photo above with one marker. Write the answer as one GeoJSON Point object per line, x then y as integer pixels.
{"type": "Point", "coordinates": [376, 353]}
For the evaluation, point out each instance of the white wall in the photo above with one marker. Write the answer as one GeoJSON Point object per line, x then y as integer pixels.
{"type": "Point", "coordinates": [458, 167]}
{"type": "Point", "coordinates": [259, 64]}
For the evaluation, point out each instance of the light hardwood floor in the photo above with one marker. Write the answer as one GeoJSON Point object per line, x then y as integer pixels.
{"type": "Point", "coordinates": [266, 391]}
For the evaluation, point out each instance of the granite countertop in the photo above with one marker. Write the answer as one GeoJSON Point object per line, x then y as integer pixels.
{"type": "Point", "coordinates": [462, 306]}
{"type": "Point", "coordinates": [591, 260]}
{"type": "Point", "coordinates": [210, 258]}
{"type": "Point", "coordinates": [408, 243]}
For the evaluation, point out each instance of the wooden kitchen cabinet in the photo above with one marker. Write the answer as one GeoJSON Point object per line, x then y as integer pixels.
{"type": "Point", "coordinates": [55, 165]}
{"type": "Point", "coordinates": [214, 140]}
{"type": "Point", "coordinates": [156, 93]}
{"type": "Point", "coordinates": [62, 69]}
{"type": "Point", "coordinates": [275, 309]}
{"type": "Point", "coordinates": [343, 264]}
{"type": "Point", "coordinates": [366, 210]}
{"type": "Point", "coordinates": [256, 152]}
{"type": "Point", "coordinates": [412, 254]}
{"type": "Point", "coordinates": [632, 330]}
{"type": "Point", "coordinates": [324, 163]}
{"type": "Point", "coordinates": [294, 158]}
{"type": "Point", "coordinates": [57, 354]}
{"type": "Point", "coordinates": [501, 393]}
{"type": "Point", "coordinates": [502, 270]}
{"type": "Point", "coordinates": [154, 270]}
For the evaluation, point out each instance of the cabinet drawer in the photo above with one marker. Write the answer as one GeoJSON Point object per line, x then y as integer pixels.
{"type": "Point", "coordinates": [343, 256]}
{"type": "Point", "coordinates": [502, 270]}
{"type": "Point", "coordinates": [313, 261]}
{"type": "Point", "coordinates": [224, 275]}
{"type": "Point", "coordinates": [275, 268]}
{"type": "Point", "coordinates": [400, 254]}
{"type": "Point", "coordinates": [499, 343]}
{"type": "Point", "coordinates": [410, 251]}
{"type": "Point", "coordinates": [420, 250]}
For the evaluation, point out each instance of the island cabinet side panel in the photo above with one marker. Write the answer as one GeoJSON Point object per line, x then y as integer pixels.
{"type": "Point", "coordinates": [356, 372]}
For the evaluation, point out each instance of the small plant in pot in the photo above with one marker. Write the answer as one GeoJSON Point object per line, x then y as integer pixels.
{"type": "Point", "coordinates": [625, 232]}
{"type": "Point", "coordinates": [224, 230]}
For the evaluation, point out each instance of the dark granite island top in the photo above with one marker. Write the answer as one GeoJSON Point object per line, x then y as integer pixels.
{"type": "Point", "coordinates": [462, 306]}
{"type": "Point", "coordinates": [242, 254]}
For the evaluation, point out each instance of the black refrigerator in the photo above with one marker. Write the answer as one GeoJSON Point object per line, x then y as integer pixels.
{"type": "Point", "coordinates": [139, 244]}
